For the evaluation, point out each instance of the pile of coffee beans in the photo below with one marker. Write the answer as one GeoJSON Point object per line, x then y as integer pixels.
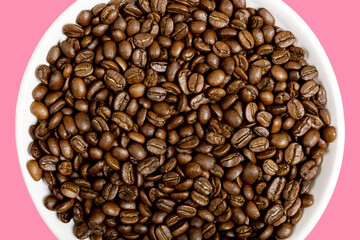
{"type": "Point", "coordinates": [178, 119]}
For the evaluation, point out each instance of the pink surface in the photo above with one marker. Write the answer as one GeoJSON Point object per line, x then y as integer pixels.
{"type": "Point", "coordinates": [23, 24]}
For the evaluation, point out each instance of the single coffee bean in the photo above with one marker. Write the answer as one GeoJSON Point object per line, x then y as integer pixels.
{"type": "Point", "coordinates": [250, 173]}
{"type": "Point", "coordinates": [246, 39]}
{"type": "Point", "coordinates": [285, 230]}
{"type": "Point", "coordinates": [48, 163]}
{"type": "Point", "coordinates": [294, 154]}
{"type": "Point", "coordinates": [186, 211]}
{"type": "Point", "coordinates": [39, 110]}
{"type": "Point", "coordinates": [156, 146]}
{"type": "Point", "coordinates": [114, 80]}
{"type": "Point", "coordinates": [270, 167]}
{"type": "Point", "coordinates": [203, 186]}
{"type": "Point", "coordinates": [309, 170]}
{"type": "Point", "coordinates": [143, 40]}
{"type": "Point", "coordinates": [163, 232]}
{"type": "Point", "coordinates": [70, 190]}
{"type": "Point", "coordinates": [329, 134]}
{"type": "Point", "coordinates": [307, 200]}
{"type": "Point", "coordinates": [275, 188]}
{"type": "Point", "coordinates": [284, 39]}
{"type": "Point", "coordinates": [241, 138]}
{"type": "Point", "coordinates": [193, 170]}
{"type": "Point", "coordinates": [309, 73]}
{"type": "Point", "coordinates": [34, 170]}
{"type": "Point", "coordinates": [218, 19]}
{"type": "Point", "coordinates": [259, 144]}
{"type": "Point", "coordinates": [73, 30]}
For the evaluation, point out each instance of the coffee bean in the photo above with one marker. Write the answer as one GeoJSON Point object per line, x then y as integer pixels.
{"type": "Point", "coordinates": [279, 73]}
{"type": "Point", "coordinates": [73, 30]}
{"type": "Point", "coordinates": [186, 211]}
{"type": "Point", "coordinates": [259, 144]}
{"type": "Point", "coordinates": [156, 146]}
{"type": "Point", "coordinates": [39, 110]}
{"type": "Point", "coordinates": [205, 161]}
{"type": "Point", "coordinates": [284, 39]}
{"type": "Point", "coordinates": [279, 140]}
{"type": "Point", "coordinates": [311, 138]}
{"type": "Point", "coordinates": [203, 186]}
{"type": "Point", "coordinates": [128, 192]}
{"type": "Point", "coordinates": [48, 163]}
{"type": "Point", "coordinates": [295, 109]}
{"type": "Point", "coordinates": [83, 70]}
{"type": "Point", "coordinates": [114, 80]}
{"type": "Point", "coordinates": [34, 170]}
{"type": "Point", "coordinates": [329, 134]}
{"type": "Point", "coordinates": [241, 138]}
{"type": "Point", "coordinates": [218, 19]}
{"type": "Point", "coordinates": [294, 154]}
{"type": "Point", "coordinates": [163, 233]}
{"type": "Point", "coordinates": [246, 39]}
{"type": "Point", "coordinates": [221, 49]}
{"type": "Point", "coordinates": [70, 190]}
{"type": "Point", "coordinates": [309, 170]}
{"type": "Point", "coordinates": [250, 173]}
{"type": "Point", "coordinates": [127, 173]}
{"type": "Point", "coordinates": [309, 73]}
{"type": "Point", "coordinates": [270, 167]}
{"type": "Point", "coordinates": [143, 40]}
{"type": "Point", "coordinates": [208, 230]}
{"type": "Point", "coordinates": [216, 77]}
{"type": "Point", "coordinates": [244, 231]}
{"type": "Point", "coordinates": [275, 188]}
{"type": "Point", "coordinates": [122, 120]}
{"type": "Point", "coordinates": [193, 170]}
{"type": "Point", "coordinates": [231, 160]}
{"type": "Point", "coordinates": [285, 230]}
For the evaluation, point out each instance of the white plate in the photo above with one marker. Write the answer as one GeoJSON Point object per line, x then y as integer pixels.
{"type": "Point", "coordinates": [286, 18]}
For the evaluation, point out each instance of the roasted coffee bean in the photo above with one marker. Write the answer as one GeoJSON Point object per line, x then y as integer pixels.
{"type": "Point", "coordinates": [259, 144]}
{"type": "Point", "coordinates": [250, 173]}
{"type": "Point", "coordinates": [270, 167]}
{"type": "Point", "coordinates": [309, 170]}
{"type": "Point", "coordinates": [284, 231]}
{"type": "Point", "coordinates": [34, 170]}
{"type": "Point", "coordinates": [163, 232]}
{"type": "Point", "coordinates": [122, 120]}
{"type": "Point", "coordinates": [231, 160]}
{"type": "Point", "coordinates": [39, 110]}
{"type": "Point", "coordinates": [275, 188]}
{"type": "Point", "coordinates": [156, 146]}
{"type": "Point", "coordinates": [329, 134]}
{"type": "Point", "coordinates": [193, 170]}
{"type": "Point", "coordinates": [284, 39]}
{"type": "Point", "coordinates": [114, 80]}
{"type": "Point", "coordinates": [48, 163]}
{"type": "Point", "coordinates": [186, 211]}
{"type": "Point", "coordinates": [171, 179]}
{"type": "Point", "coordinates": [128, 192]}
{"type": "Point", "coordinates": [205, 161]}
{"type": "Point", "coordinates": [203, 186]}
{"type": "Point", "coordinates": [309, 73]}
{"type": "Point", "coordinates": [70, 189]}
{"type": "Point", "coordinates": [218, 19]}
{"type": "Point", "coordinates": [241, 138]}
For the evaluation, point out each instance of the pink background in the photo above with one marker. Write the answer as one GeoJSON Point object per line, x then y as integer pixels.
{"type": "Point", "coordinates": [24, 22]}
